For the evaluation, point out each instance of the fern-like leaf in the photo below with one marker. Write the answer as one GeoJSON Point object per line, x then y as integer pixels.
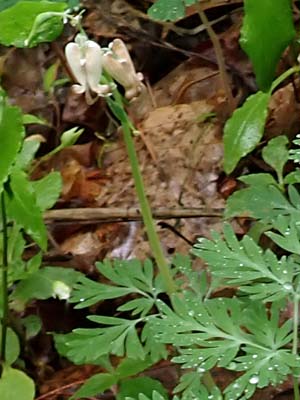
{"type": "Point", "coordinates": [244, 264]}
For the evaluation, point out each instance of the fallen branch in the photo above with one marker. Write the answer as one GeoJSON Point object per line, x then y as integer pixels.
{"type": "Point", "coordinates": [96, 215]}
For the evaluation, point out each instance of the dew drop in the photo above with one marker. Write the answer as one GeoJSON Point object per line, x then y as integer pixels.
{"type": "Point", "coordinates": [288, 286]}
{"type": "Point", "coordinates": [254, 380]}
{"type": "Point", "coordinates": [254, 356]}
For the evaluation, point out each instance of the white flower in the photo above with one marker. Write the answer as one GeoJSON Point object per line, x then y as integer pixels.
{"type": "Point", "coordinates": [119, 65]}
{"type": "Point", "coordinates": [85, 60]}
{"type": "Point", "coordinates": [61, 290]}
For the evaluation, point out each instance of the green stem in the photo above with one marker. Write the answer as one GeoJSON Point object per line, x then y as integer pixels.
{"type": "Point", "coordinates": [146, 211]}
{"type": "Point", "coordinates": [295, 343]}
{"type": "Point", "coordinates": [283, 76]}
{"type": "Point", "coordinates": [4, 279]}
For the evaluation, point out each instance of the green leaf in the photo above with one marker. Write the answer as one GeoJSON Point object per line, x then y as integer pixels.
{"type": "Point", "coordinates": [238, 335]}
{"type": "Point", "coordinates": [9, 3]}
{"type": "Point", "coordinates": [33, 325]}
{"type": "Point", "coordinates": [244, 129]}
{"type": "Point", "coordinates": [134, 386]}
{"type": "Point", "coordinates": [11, 134]}
{"type": "Point", "coordinates": [47, 190]}
{"type": "Point", "coordinates": [17, 22]}
{"type": "Point", "coordinates": [155, 396]}
{"type": "Point", "coordinates": [42, 284]}
{"type": "Point", "coordinates": [14, 384]}
{"type": "Point", "coordinates": [22, 208]}
{"type": "Point", "coordinates": [263, 44]}
{"type": "Point", "coordinates": [118, 337]}
{"type": "Point", "coordinates": [293, 177]}
{"type": "Point", "coordinates": [244, 264]}
{"type": "Point", "coordinates": [33, 119]}
{"type": "Point", "coordinates": [276, 154]}
{"type": "Point", "coordinates": [130, 276]}
{"type": "Point", "coordinates": [262, 200]}
{"type": "Point", "coordinates": [27, 153]}
{"type": "Point", "coordinates": [288, 237]}
{"type": "Point", "coordinates": [95, 385]}
{"type": "Point", "coordinates": [167, 10]}
{"type": "Point", "coordinates": [12, 348]}
{"type": "Point", "coordinates": [132, 366]}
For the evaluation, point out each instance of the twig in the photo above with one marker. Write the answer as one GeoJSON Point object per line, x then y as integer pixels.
{"type": "Point", "coordinates": [219, 55]}
{"type": "Point", "coordinates": [96, 215]}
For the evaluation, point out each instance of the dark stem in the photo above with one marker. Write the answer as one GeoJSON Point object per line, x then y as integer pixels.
{"type": "Point", "coordinates": [4, 279]}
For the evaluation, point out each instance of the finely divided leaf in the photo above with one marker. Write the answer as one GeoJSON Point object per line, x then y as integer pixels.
{"type": "Point", "coordinates": [95, 385]}
{"type": "Point", "coordinates": [244, 129]}
{"type": "Point", "coordinates": [244, 264]}
{"type": "Point", "coordinates": [267, 30]}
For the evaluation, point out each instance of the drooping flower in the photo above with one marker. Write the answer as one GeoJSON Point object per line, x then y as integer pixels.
{"type": "Point", "coordinates": [118, 63]}
{"type": "Point", "coordinates": [85, 60]}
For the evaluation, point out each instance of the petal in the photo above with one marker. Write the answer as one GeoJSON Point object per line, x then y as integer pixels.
{"type": "Point", "coordinates": [121, 51]}
{"type": "Point", "coordinates": [103, 90]}
{"type": "Point", "coordinates": [78, 89]}
{"type": "Point", "coordinates": [115, 70]}
{"type": "Point", "coordinates": [74, 57]}
{"type": "Point", "coordinates": [93, 66]}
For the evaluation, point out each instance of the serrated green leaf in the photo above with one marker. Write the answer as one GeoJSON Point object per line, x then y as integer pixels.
{"type": "Point", "coordinates": [17, 21]}
{"type": "Point", "coordinates": [276, 154]}
{"type": "Point", "coordinates": [11, 134]}
{"type": "Point", "coordinates": [145, 385]}
{"type": "Point", "coordinates": [22, 208]}
{"type": "Point", "coordinates": [244, 129]}
{"type": "Point", "coordinates": [263, 44]}
{"type": "Point", "coordinates": [14, 384]}
{"type": "Point", "coordinates": [47, 190]}
{"type": "Point", "coordinates": [95, 385]}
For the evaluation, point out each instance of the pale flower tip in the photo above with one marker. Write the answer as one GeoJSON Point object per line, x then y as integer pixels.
{"type": "Point", "coordinates": [78, 89]}
{"type": "Point", "coordinates": [140, 76]}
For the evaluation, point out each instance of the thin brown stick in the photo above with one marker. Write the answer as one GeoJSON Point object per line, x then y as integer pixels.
{"type": "Point", "coordinates": [60, 390]}
{"type": "Point", "coordinates": [219, 55]}
{"type": "Point", "coordinates": [96, 215]}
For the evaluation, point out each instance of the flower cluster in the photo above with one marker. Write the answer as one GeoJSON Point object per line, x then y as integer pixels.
{"type": "Point", "coordinates": [86, 60]}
